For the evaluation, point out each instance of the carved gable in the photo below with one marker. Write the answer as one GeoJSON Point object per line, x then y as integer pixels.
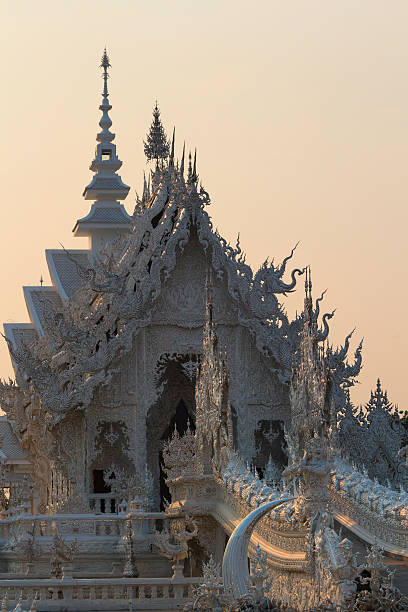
{"type": "Point", "coordinates": [182, 300]}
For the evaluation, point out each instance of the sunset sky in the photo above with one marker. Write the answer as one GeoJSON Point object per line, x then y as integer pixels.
{"type": "Point", "coordinates": [298, 110]}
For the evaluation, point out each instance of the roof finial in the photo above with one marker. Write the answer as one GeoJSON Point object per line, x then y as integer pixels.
{"type": "Point", "coordinates": [156, 145]}
{"type": "Point", "coordinates": [194, 177]}
{"type": "Point", "coordinates": [308, 282]}
{"type": "Point", "coordinates": [308, 291]}
{"type": "Point", "coordinates": [173, 140]}
{"type": "Point", "coordinates": [182, 160]}
{"type": "Point", "coordinates": [190, 169]}
{"type": "Point", "coordinates": [105, 64]}
{"type": "Point", "coordinates": [105, 136]}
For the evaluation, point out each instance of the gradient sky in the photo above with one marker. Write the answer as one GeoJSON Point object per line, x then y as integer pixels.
{"type": "Point", "coordinates": [298, 110]}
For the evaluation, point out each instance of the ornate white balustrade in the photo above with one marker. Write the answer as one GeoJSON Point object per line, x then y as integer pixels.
{"type": "Point", "coordinates": [368, 524]}
{"type": "Point", "coordinates": [92, 525]}
{"type": "Point", "coordinates": [371, 511]}
{"type": "Point", "coordinates": [103, 503]}
{"type": "Point", "coordinates": [109, 594]}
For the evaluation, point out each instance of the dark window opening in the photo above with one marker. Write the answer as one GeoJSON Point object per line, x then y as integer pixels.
{"type": "Point", "coordinates": [106, 154]}
{"type": "Point", "coordinates": [101, 488]}
{"type": "Point", "coordinates": [99, 485]}
{"type": "Point", "coordinates": [269, 441]}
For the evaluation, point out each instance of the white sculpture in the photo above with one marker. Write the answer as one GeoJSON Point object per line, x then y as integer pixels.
{"type": "Point", "coordinates": [235, 563]}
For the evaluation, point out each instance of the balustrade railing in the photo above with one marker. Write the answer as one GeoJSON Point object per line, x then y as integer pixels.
{"type": "Point", "coordinates": [103, 503]}
{"type": "Point", "coordinates": [392, 531]}
{"type": "Point", "coordinates": [92, 525]}
{"type": "Point", "coordinates": [116, 593]}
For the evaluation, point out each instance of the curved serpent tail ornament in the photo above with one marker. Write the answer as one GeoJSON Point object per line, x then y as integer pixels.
{"type": "Point", "coordinates": [235, 562]}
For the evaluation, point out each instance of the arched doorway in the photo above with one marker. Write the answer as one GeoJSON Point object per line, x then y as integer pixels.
{"type": "Point", "coordinates": [174, 410]}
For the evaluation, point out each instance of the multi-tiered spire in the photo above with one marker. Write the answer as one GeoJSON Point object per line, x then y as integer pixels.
{"type": "Point", "coordinates": [106, 185]}
{"type": "Point", "coordinates": [213, 409]}
{"type": "Point", "coordinates": [107, 216]}
{"type": "Point", "coordinates": [309, 391]}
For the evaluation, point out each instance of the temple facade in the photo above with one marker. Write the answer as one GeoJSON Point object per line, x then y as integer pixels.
{"type": "Point", "coordinates": [162, 394]}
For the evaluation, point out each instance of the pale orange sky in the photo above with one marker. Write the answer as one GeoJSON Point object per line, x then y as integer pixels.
{"type": "Point", "coordinates": [298, 110]}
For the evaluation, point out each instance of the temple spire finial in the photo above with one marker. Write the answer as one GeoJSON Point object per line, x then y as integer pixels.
{"type": "Point", "coordinates": [106, 188]}
{"type": "Point", "coordinates": [194, 176]}
{"type": "Point", "coordinates": [156, 145]}
{"type": "Point", "coordinates": [308, 292]}
{"type": "Point", "coordinates": [105, 136]}
{"type": "Point", "coordinates": [190, 169]}
{"type": "Point", "coordinates": [173, 140]}
{"type": "Point", "coordinates": [105, 64]}
{"type": "Point", "coordinates": [308, 282]}
{"type": "Point", "coordinates": [182, 160]}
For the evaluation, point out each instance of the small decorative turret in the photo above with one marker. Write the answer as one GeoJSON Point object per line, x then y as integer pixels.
{"type": "Point", "coordinates": [379, 400]}
{"type": "Point", "coordinates": [107, 216]}
{"type": "Point", "coordinates": [272, 474]}
{"type": "Point", "coordinates": [192, 177]}
{"type": "Point", "coordinates": [156, 145]}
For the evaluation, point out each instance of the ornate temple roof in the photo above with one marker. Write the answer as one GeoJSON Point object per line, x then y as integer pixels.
{"type": "Point", "coordinates": [10, 447]}
{"type": "Point", "coordinates": [39, 300]}
{"type": "Point", "coordinates": [63, 269]}
{"type": "Point", "coordinates": [18, 333]}
{"type": "Point", "coordinates": [126, 270]}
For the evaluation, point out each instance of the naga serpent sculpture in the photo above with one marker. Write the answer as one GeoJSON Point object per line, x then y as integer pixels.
{"type": "Point", "coordinates": [235, 562]}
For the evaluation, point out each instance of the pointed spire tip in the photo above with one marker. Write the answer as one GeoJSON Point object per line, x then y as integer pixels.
{"type": "Point", "coordinates": [105, 63]}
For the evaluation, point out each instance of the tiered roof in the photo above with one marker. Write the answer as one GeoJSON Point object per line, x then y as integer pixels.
{"type": "Point", "coordinates": [63, 268]}
{"type": "Point", "coordinates": [11, 449]}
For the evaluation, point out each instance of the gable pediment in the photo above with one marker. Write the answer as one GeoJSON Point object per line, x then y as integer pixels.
{"type": "Point", "coordinates": [183, 296]}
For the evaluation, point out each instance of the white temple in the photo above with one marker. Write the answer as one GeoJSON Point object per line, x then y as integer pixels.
{"type": "Point", "coordinates": [164, 400]}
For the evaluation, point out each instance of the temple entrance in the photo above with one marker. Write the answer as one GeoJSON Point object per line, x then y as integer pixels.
{"type": "Point", "coordinates": [180, 422]}
{"type": "Point", "coordinates": [174, 410]}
